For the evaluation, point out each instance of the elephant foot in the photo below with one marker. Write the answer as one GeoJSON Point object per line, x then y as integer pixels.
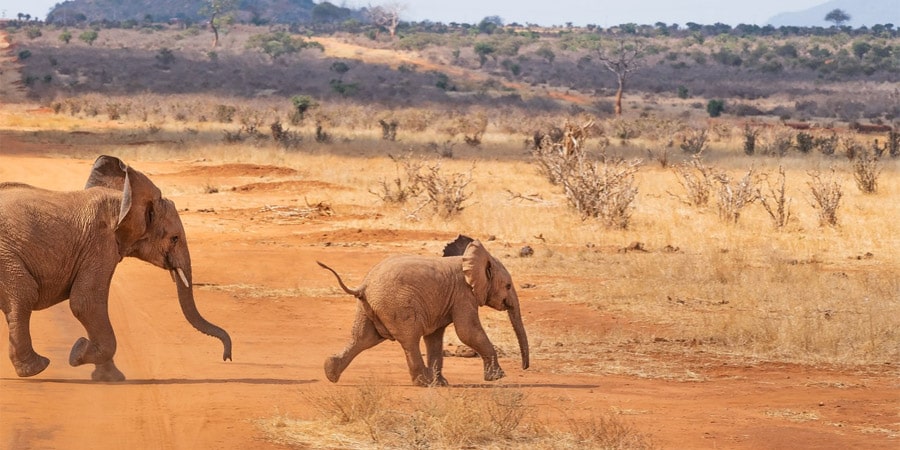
{"type": "Point", "coordinates": [493, 374]}
{"type": "Point", "coordinates": [332, 369]}
{"type": "Point", "coordinates": [32, 366]}
{"type": "Point", "coordinates": [107, 372]}
{"type": "Point", "coordinates": [79, 352]}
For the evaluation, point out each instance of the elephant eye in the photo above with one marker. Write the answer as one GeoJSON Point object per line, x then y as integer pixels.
{"type": "Point", "coordinates": [174, 240]}
{"type": "Point", "coordinates": [508, 286]}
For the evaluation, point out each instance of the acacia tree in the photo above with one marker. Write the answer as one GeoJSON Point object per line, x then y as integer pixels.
{"type": "Point", "coordinates": [622, 59]}
{"type": "Point", "coordinates": [838, 16]}
{"type": "Point", "coordinates": [387, 16]}
{"type": "Point", "coordinates": [220, 14]}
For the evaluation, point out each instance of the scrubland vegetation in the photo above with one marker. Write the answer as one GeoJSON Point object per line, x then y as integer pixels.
{"type": "Point", "coordinates": [765, 235]}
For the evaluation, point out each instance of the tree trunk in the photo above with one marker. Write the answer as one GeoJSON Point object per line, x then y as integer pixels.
{"type": "Point", "coordinates": [619, 93]}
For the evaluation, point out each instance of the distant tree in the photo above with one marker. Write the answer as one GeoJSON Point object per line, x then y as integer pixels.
{"type": "Point", "coordinates": [838, 16]}
{"type": "Point", "coordinates": [326, 12]}
{"type": "Point", "coordinates": [860, 48]}
{"type": "Point", "coordinates": [221, 14]}
{"type": "Point", "coordinates": [483, 49]}
{"type": "Point", "coordinates": [490, 24]}
{"type": "Point", "coordinates": [623, 59]}
{"type": "Point", "coordinates": [387, 16]}
{"type": "Point", "coordinates": [65, 36]}
{"type": "Point", "coordinates": [88, 37]}
{"type": "Point", "coordinates": [278, 43]}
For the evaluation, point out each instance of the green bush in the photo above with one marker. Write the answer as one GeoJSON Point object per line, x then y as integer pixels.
{"type": "Point", "coordinates": [715, 107]}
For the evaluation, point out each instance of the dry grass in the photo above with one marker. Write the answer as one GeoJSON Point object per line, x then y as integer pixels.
{"type": "Point", "coordinates": [375, 416]}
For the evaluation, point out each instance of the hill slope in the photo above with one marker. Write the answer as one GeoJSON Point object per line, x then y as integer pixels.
{"type": "Point", "coordinates": [868, 13]}
{"type": "Point", "coordinates": [279, 11]}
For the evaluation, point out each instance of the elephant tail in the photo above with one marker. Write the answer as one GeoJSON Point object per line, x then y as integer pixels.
{"type": "Point", "coordinates": [356, 293]}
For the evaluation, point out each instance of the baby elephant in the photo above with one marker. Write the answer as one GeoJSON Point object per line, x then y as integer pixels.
{"type": "Point", "coordinates": [404, 298]}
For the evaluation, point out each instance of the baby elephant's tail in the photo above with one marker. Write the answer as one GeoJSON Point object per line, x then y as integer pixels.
{"type": "Point", "coordinates": [355, 293]}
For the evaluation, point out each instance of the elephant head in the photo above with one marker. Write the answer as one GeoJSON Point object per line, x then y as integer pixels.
{"type": "Point", "coordinates": [492, 285]}
{"type": "Point", "coordinates": [150, 229]}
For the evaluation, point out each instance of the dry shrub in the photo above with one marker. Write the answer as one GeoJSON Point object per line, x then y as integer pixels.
{"type": "Point", "coordinates": [695, 140]}
{"type": "Point", "coordinates": [607, 432]}
{"type": "Point", "coordinates": [373, 416]}
{"type": "Point", "coordinates": [696, 178]}
{"type": "Point", "coordinates": [735, 195]}
{"type": "Point", "coordinates": [826, 196]}
{"type": "Point", "coordinates": [446, 193]}
{"type": "Point", "coordinates": [405, 185]}
{"type": "Point", "coordinates": [775, 200]}
{"type": "Point", "coordinates": [777, 141]}
{"type": "Point", "coordinates": [866, 170]}
{"type": "Point", "coordinates": [596, 189]}
{"type": "Point", "coordinates": [426, 182]}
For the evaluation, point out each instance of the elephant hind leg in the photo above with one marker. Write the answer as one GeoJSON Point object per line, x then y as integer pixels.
{"type": "Point", "coordinates": [364, 336]}
{"type": "Point", "coordinates": [26, 361]}
{"type": "Point", "coordinates": [434, 350]}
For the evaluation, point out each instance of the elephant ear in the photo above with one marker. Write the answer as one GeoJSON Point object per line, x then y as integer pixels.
{"type": "Point", "coordinates": [478, 270]}
{"type": "Point", "coordinates": [110, 172]}
{"type": "Point", "coordinates": [139, 196]}
{"type": "Point", "coordinates": [458, 246]}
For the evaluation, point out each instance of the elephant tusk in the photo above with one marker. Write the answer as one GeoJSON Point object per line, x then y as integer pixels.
{"type": "Point", "coordinates": [183, 278]}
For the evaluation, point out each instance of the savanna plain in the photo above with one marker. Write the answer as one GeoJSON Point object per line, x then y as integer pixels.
{"type": "Point", "coordinates": [670, 322]}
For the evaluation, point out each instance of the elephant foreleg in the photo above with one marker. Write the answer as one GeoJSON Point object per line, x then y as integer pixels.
{"type": "Point", "coordinates": [100, 345]}
{"type": "Point", "coordinates": [434, 350]}
{"type": "Point", "coordinates": [364, 336]}
{"type": "Point", "coordinates": [472, 334]}
{"type": "Point", "coordinates": [21, 352]}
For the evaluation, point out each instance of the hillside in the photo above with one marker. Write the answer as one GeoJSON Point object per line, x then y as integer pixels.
{"type": "Point", "coordinates": [260, 11]}
{"type": "Point", "coordinates": [867, 13]}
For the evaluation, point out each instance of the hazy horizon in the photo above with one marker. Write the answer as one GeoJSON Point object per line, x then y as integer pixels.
{"type": "Point", "coordinates": [547, 13]}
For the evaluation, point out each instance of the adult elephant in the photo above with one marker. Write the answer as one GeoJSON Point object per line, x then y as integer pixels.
{"type": "Point", "coordinates": [66, 245]}
{"type": "Point", "coordinates": [406, 298]}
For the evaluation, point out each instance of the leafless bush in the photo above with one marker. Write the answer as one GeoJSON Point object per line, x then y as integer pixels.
{"type": "Point", "coordinates": [696, 178]}
{"type": "Point", "coordinates": [735, 195]}
{"type": "Point", "coordinates": [661, 156]}
{"type": "Point", "coordinates": [603, 190]}
{"type": "Point", "coordinates": [405, 184]}
{"type": "Point", "coordinates": [826, 196]}
{"type": "Point", "coordinates": [388, 129]}
{"type": "Point", "coordinates": [777, 142]}
{"type": "Point", "coordinates": [597, 189]}
{"type": "Point", "coordinates": [750, 135]}
{"type": "Point", "coordinates": [893, 144]}
{"type": "Point", "coordinates": [558, 153]}
{"type": "Point", "coordinates": [444, 150]}
{"type": "Point", "coordinates": [866, 170]}
{"type": "Point", "coordinates": [695, 140]}
{"type": "Point", "coordinates": [322, 136]}
{"type": "Point", "coordinates": [287, 139]}
{"type": "Point", "coordinates": [827, 145]}
{"type": "Point", "coordinates": [446, 193]}
{"type": "Point", "coordinates": [775, 200]}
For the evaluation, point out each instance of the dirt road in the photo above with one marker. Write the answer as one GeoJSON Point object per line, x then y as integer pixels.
{"type": "Point", "coordinates": [255, 275]}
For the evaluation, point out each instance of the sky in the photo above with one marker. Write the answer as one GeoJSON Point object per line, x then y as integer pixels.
{"type": "Point", "coordinates": [546, 12]}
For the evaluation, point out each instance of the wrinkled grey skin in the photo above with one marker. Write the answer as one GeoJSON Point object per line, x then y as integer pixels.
{"type": "Point", "coordinates": [66, 245]}
{"type": "Point", "coordinates": [406, 298]}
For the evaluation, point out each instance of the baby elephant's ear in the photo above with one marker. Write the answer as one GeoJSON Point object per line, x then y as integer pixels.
{"type": "Point", "coordinates": [108, 171]}
{"type": "Point", "coordinates": [458, 246]}
{"type": "Point", "coordinates": [476, 266]}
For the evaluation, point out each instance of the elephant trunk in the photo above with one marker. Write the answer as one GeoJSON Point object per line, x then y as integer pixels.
{"type": "Point", "coordinates": [183, 279]}
{"type": "Point", "coordinates": [515, 318]}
